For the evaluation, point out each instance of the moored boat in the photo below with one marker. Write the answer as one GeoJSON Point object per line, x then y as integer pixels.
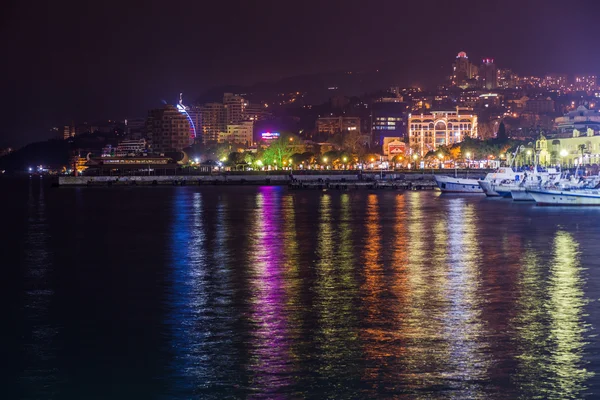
{"type": "Point", "coordinates": [521, 194]}
{"type": "Point", "coordinates": [579, 197]}
{"type": "Point", "coordinates": [449, 184]}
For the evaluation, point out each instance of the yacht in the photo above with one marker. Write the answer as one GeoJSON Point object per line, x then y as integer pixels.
{"type": "Point", "coordinates": [448, 184]}
{"type": "Point", "coordinates": [501, 174]}
{"type": "Point", "coordinates": [557, 197]}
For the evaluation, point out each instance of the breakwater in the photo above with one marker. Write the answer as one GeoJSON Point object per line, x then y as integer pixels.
{"type": "Point", "coordinates": [300, 181]}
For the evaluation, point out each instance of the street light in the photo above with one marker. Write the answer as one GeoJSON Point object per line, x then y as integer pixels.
{"type": "Point", "coordinates": [563, 153]}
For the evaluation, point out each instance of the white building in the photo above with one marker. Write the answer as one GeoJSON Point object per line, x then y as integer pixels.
{"type": "Point", "coordinates": [241, 133]}
{"type": "Point", "coordinates": [440, 128]}
{"type": "Point", "coordinates": [580, 119]}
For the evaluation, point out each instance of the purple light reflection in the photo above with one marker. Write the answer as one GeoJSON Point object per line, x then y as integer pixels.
{"type": "Point", "coordinates": [270, 363]}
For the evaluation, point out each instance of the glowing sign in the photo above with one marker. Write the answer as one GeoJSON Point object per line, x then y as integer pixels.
{"type": "Point", "coordinates": [269, 135]}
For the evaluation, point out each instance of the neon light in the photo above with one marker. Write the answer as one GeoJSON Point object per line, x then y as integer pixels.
{"type": "Point", "coordinates": [269, 135]}
{"type": "Point", "coordinates": [182, 110]}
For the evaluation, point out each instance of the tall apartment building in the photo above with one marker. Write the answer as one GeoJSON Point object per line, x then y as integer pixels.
{"type": "Point", "coordinates": [388, 120]}
{"type": "Point", "coordinates": [463, 70]}
{"type": "Point", "coordinates": [556, 82]}
{"type": "Point", "coordinates": [488, 76]}
{"type": "Point", "coordinates": [234, 107]}
{"type": "Point", "coordinates": [168, 129]}
{"type": "Point", "coordinates": [585, 83]}
{"type": "Point", "coordinates": [213, 120]}
{"type": "Point", "coordinates": [440, 128]}
{"type": "Point", "coordinates": [68, 131]}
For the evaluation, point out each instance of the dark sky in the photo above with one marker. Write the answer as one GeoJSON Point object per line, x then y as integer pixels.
{"type": "Point", "coordinates": [79, 60]}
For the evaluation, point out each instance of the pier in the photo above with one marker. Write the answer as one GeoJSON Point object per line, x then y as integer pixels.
{"type": "Point", "coordinates": [371, 181]}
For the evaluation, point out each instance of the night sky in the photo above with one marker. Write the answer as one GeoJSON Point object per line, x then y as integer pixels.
{"type": "Point", "coordinates": [88, 61]}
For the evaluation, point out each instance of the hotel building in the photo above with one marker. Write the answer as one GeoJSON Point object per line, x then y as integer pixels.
{"type": "Point", "coordinates": [440, 128]}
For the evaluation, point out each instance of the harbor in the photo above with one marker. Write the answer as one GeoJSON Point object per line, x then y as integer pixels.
{"type": "Point", "coordinates": [393, 181]}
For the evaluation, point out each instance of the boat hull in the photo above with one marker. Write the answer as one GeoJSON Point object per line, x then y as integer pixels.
{"type": "Point", "coordinates": [457, 185]}
{"type": "Point", "coordinates": [521, 195]}
{"type": "Point", "coordinates": [566, 198]}
{"type": "Point", "coordinates": [486, 186]}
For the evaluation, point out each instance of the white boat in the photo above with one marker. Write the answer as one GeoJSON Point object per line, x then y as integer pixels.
{"type": "Point", "coordinates": [521, 194]}
{"type": "Point", "coordinates": [579, 197]}
{"type": "Point", "coordinates": [486, 186]}
{"type": "Point", "coordinates": [501, 174]}
{"type": "Point", "coordinates": [449, 184]}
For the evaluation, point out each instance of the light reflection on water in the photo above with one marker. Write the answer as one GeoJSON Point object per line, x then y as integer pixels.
{"type": "Point", "coordinates": [265, 293]}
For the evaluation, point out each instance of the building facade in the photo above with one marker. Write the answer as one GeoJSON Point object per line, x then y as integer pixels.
{"type": "Point", "coordinates": [241, 133]}
{"type": "Point", "coordinates": [213, 121]}
{"type": "Point", "coordinates": [389, 119]}
{"type": "Point", "coordinates": [234, 108]}
{"type": "Point", "coordinates": [440, 128]}
{"type": "Point", "coordinates": [168, 130]}
{"type": "Point", "coordinates": [583, 148]}
{"type": "Point", "coordinates": [333, 125]}
{"type": "Point", "coordinates": [585, 83]}
{"type": "Point", "coordinates": [580, 119]}
{"type": "Point", "coordinates": [463, 71]}
{"type": "Point", "coordinates": [488, 76]}
{"type": "Point", "coordinates": [542, 105]}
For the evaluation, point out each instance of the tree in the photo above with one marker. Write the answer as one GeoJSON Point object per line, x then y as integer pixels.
{"type": "Point", "coordinates": [502, 135]}
{"type": "Point", "coordinates": [278, 151]}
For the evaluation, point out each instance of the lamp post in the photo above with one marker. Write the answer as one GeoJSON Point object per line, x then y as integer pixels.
{"type": "Point", "coordinates": [563, 153]}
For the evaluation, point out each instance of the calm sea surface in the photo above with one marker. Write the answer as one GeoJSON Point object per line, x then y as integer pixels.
{"type": "Point", "coordinates": [260, 292]}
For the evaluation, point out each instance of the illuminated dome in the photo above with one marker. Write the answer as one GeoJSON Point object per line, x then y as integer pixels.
{"type": "Point", "coordinates": [462, 54]}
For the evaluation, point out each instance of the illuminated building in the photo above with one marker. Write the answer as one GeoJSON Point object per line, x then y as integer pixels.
{"type": "Point", "coordinates": [131, 147]}
{"type": "Point", "coordinates": [68, 131]}
{"type": "Point", "coordinates": [168, 129]}
{"type": "Point", "coordinates": [440, 128]}
{"type": "Point", "coordinates": [585, 83]}
{"type": "Point", "coordinates": [580, 119]}
{"type": "Point", "coordinates": [506, 79]}
{"type": "Point", "coordinates": [241, 133]}
{"type": "Point", "coordinates": [530, 81]}
{"type": "Point", "coordinates": [555, 82]}
{"type": "Point", "coordinates": [389, 120]}
{"type": "Point", "coordinates": [234, 107]}
{"type": "Point", "coordinates": [333, 125]}
{"type": "Point", "coordinates": [583, 147]}
{"type": "Point", "coordinates": [213, 121]}
{"type": "Point", "coordinates": [463, 70]}
{"type": "Point", "coordinates": [488, 76]}
{"type": "Point", "coordinates": [255, 112]}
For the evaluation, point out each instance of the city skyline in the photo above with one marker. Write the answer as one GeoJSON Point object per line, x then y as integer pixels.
{"type": "Point", "coordinates": [116, 61]}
